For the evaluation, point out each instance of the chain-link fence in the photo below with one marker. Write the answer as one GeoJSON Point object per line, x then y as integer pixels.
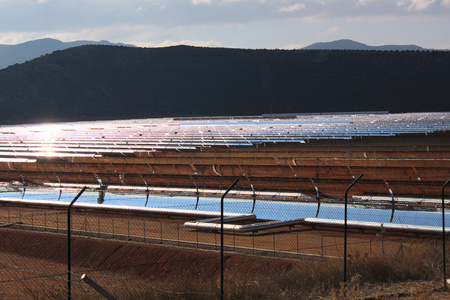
{"type": "Point", "coordinates": [112, 247]}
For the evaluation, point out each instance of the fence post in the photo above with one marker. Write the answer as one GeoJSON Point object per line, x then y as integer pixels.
{"type": "Point", "coordinates": [253, 241]}
{"type": "Point", "coordinates": [345, 229]}
{"type": "Point", "coordinates": [274, 252]}
{"type": "Point", "coordinates": [221, 237]}
{"type": "Point", "coordinates": [69, 254]}
{"type": "Point", "coordinates": [322, 246]}
{"type": "Point", "coordinates": [443, 233]}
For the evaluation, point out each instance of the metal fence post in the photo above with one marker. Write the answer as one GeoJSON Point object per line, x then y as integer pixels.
{"type": "Point", "coordinates": [274, 252]}
{"type": "Point", "coordinates": [322, 246]}
{"type": "Point", "coordinates": [85, 225]}
{"type": "Point", "coordinates": [345, 228]}
{"type": "Point", "coordinates": [443, 233]}
{"type": "Point", "coordinates": [69, 254]}
{"type": "Point", "coordinates": [221, 237]}
{"type": "Point", "coordinates": [234, 240]}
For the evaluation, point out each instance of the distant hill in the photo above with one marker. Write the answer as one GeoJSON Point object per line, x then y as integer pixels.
{"type": "Point", "coordinates": [13, 54]}
{"type": "Point", "coordinates": [352, 45]}
{"type": "Point", "coordinates": [105, 82]}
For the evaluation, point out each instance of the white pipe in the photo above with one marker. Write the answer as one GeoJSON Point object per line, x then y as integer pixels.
{"type": "Point", "coordinates": [207, 225]}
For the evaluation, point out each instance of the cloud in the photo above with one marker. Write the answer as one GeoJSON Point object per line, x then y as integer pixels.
{"type": "Point", "coordinates": [330, 31]}
{"type": "Point", "coordinates": [333, 30]}
{"type": "Point", "coordinates": [197, 2]}
{"type": "Point", "coordinates": [291, 8]}
{"type": "Point", "coordinates": [21, 15]}
{"type": "Point", "coordinates": [293, 46]}
{"type": "Point", "coordinates": [363, 2]}
{"type": "Point", "coordinates": [11, 38]}
{"type": "Point", "coordinates": [416, 5]}
{"type": "Point", "coordinates": [118, 33]}
{"type": "Point", "coordinates": [174, 43]}
{"type": "Point", "coordinates": [156, 21]}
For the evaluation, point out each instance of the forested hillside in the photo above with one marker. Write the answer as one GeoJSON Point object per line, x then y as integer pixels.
{"type": "Point", "coordinates": [110, 82]}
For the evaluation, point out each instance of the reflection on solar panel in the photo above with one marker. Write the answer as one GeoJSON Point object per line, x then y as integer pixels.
{"type": "Point", "coordinates": [316, 154]}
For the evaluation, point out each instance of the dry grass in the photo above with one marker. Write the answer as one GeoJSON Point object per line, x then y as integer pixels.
{"type": "Point", "coordinates": [411, 274]}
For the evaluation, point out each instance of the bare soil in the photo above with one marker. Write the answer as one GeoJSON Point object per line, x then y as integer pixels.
{"type": "Point", "coordinates": [46, 252]}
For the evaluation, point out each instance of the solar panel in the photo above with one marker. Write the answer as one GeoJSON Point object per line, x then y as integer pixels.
{"type": "Point", "coordinates": [125, 137]}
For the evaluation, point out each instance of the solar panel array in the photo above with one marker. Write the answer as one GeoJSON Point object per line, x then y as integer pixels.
{"type": "Point", "coordinates": [125, 138]}
{"type": "Point", "coordinates": [308, 156]}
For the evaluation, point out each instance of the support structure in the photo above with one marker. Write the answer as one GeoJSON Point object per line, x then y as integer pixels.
{"type": "Point", "coordinates": [317, 197]}
{"type": "Point", "coordinates": [392, 201]}
{"type": "Point", "coordinates": [97, 287]}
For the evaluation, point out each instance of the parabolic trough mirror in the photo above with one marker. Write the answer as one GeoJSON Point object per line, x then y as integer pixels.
{"type": "Point", "coordinates": [430, 215]}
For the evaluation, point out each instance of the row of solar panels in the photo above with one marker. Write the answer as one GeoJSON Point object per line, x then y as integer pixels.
{"type": "Point", "coordinates": [125, 137]}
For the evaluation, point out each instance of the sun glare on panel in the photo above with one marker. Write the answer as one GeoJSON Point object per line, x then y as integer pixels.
{"type": "Point", "coordinates": [46, 135]}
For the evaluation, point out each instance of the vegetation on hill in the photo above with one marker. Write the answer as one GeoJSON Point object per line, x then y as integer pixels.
{"type": "Point", "coordinates": [110, 82]}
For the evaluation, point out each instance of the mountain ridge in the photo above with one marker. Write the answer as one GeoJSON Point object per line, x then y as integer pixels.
{"type": "Point", "coordinates": [347, 44]}
{"type": "Point", "coordinates": [97, 82]}
{"type": "Point", "coordinates": [20, 53]}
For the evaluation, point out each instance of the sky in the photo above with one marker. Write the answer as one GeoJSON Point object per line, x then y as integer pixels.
{"type": "Point", "coordinates": [254, 24]}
